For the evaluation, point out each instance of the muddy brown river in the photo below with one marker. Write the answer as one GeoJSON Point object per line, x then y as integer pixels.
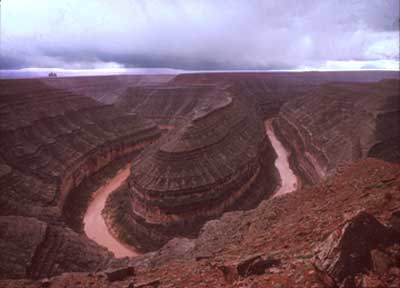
{"type": "Point", "coordinates": [289, 181]}
{"type": "Point", "coordinates": [96, 229]}
{"type": "Point", "coordinates": [94, 225]}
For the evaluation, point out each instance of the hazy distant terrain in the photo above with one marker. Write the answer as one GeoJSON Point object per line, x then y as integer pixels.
{"type": "Point", "coordinates": [44, 72]}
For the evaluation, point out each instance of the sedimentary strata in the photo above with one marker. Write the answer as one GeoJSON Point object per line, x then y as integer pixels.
{"type": "Point", "coordinates": [212, 164]}
{"type": "Point", "coordinates": [167, 104]}
{"type": "Point", "coordinates": [52, 141]}
{"type": "Point", "coordinates": [335, 124]}
{"type": "Point", "coordinates": [214, 158]}
{"type": "Point", "coordinates": [163, 205]}
{"type": "Point", "coordinates": [277, 231]}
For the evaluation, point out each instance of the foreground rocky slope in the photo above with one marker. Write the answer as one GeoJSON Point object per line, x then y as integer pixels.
{"type": "Point", "coordinates": [218, 160]}
{"type": "Point", "coordinates": [338, 123]}
{"type": "Point", "coordinates": [289, 233]}
{"type": "Point", "coordinates": [51, 143]}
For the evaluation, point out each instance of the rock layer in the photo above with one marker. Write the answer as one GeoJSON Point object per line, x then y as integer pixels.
{"type": "Point", "coordinates": [167, 104]}
{"type": "Point", "coordinates": [51, 142]}
{"type": "Point", "coordinates": [338, 123]}
{"type": "Point", "coordinates": [198, 165]}
{"type": "Point", "coordinates": [105, 89]}
{"type": "Point", "coordinates": [47, 134]}
{"type": "Point", "coordinates": [211, 164]}
{"type": "Point", "coordinates": [277, 230]}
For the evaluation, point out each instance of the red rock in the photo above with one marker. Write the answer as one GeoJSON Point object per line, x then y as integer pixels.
{"type": "Point", "coordinates": [213, 163]}
{"type": "Point", "coordinates": [348, 283]}
{"type": "Point", "coordinates": [381, 262]}
{"type": "Point", "coordinates": [252, 265]}
{"type": "Point", "coordinates": [372, 281]}
{"type": "Point", "coordinates": [347, 251]}
{"type": "Point", "coordinates": [52, 142]}
{"type": "Point", "coordinates": [120, 274]}
{"type": "Point", "coordinates": [319, 127]}
{"type": "Point", "coordinates": [394, 221]}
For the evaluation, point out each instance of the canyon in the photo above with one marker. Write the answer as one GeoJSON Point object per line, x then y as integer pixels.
{"type": "Point", "coordinates": [187, 175]}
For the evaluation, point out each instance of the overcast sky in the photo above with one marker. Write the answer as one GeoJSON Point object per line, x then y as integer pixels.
{"type": "Point", "coordinates": [208, 34]}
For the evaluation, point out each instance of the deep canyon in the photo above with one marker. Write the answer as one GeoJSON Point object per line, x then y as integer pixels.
{"type": "Point", "coordinates": [190, 175]}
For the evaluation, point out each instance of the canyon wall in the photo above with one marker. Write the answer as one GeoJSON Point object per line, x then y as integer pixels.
{"type": "Point", "coordinates": [218, 160]}
{"type": "Point", "coordinates": [52, 141]}
{"type": "Point", "coordinates": [338, 123]}
{"type": "Point", "coordinates": [271, 89]}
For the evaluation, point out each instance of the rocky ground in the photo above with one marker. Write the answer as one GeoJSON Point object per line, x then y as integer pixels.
{"type": "Point", "coordinates": [302, 239]}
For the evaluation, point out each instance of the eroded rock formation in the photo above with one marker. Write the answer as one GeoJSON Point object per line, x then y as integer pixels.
{"type": "Point", "coordinates": [338, 123]}
{"type": "Point", "coordinates": [213, 159]}
{"type": "Point", "coordinates": [277, 229]}
{"type": "Point", "coordinates": [166, 104]}
{"type": "Point", "coordinates": [52, 141]}
{"type": "Point", "coordinates": [214, 163]}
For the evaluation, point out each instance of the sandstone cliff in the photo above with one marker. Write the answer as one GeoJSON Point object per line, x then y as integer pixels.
{"type": "Point", "coordinates": [336, 124]}
{"type": "Point", "coordinates": [52, 141]}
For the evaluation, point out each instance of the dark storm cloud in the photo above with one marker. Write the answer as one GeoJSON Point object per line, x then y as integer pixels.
{"type": "Point", "coordinates": [208, 34]}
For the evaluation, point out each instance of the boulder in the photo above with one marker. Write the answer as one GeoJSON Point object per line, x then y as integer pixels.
{"type": "Point", "coordinates": [252, 265]}
{"type": "Point", "coordinates": [394, 221]}
{"type": "Point", "coordinates": [347, 251]}
{"type": "Point", "coordinates": [150, 284]}
{"type": "Point", "coordinates": [120, 274]}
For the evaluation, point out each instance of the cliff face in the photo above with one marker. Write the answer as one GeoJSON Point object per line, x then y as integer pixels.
{"type": "Point", "coordinates": [36, 249]}
{"type": "Point", "coordinates": [271, 90]}
{"type": "Point", "coordinates": [213, 163]}
{"type": "Point", "coordinates": [339, 123]}
{"type": "Point", "coordinates": [51, 141]}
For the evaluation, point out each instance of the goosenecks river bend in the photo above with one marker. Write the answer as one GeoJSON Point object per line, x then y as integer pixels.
{"type": "Point", "coordinates": [94, 224]}
{"type": "Point", "coordinates": [96, 229]}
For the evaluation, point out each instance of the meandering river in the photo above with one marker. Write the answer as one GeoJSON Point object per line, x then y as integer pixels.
{"type": "Point", "coordinates": [94, 224]}
{"type": "Point", "coordinates": [289, 181]}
